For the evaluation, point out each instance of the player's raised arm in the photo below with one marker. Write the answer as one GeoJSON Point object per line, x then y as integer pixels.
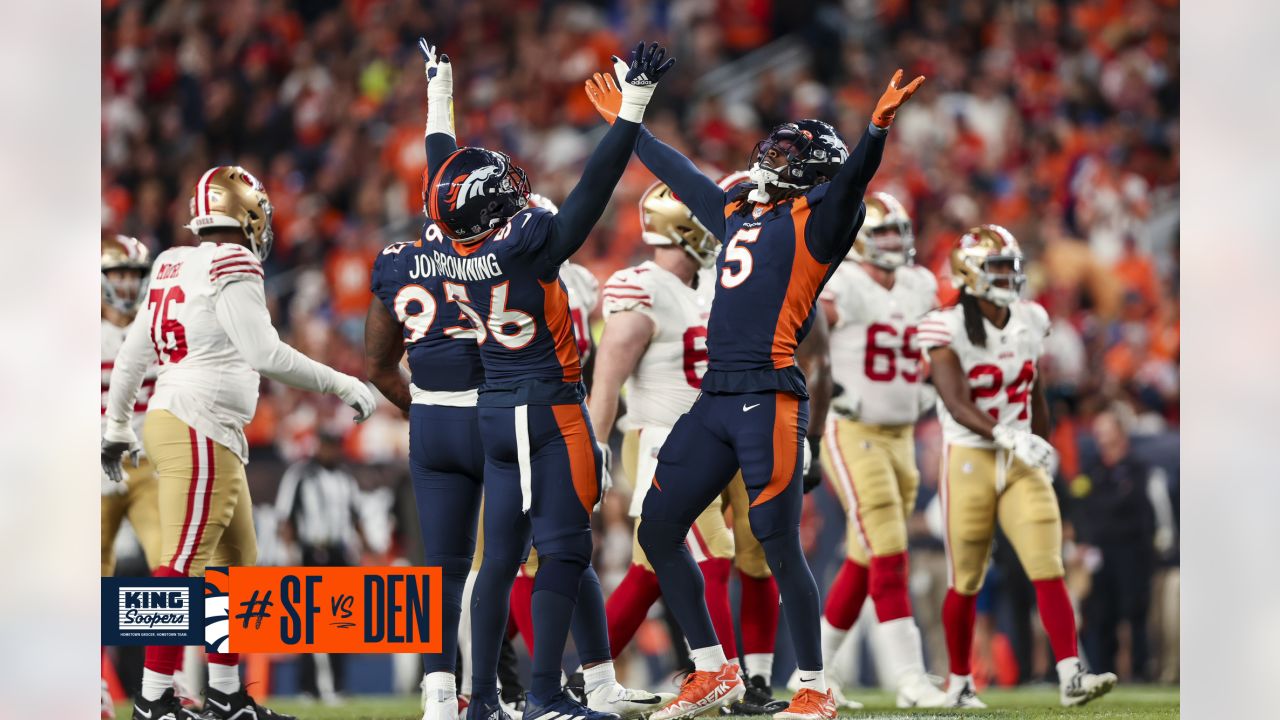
{"type": "Point", "coordinates": [586, 202]}
{"type": "Point", "coordinates": [837, 216]}
{"type": "Point", "coordinates": [440, 137]}
{"type": "Point", "coordinates": [703, 195]}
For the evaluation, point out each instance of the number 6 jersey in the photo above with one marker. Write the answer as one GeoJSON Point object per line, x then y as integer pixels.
{"type": "Point", "coordinates": [874, 354]}
{"type": "Point", "coordinates": [1000, 374]}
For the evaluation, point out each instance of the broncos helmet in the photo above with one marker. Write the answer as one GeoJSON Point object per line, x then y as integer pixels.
{"type": "Point", "coordinates": [475, 191]}
{"type": "Point", "coordinates": [812, 149]}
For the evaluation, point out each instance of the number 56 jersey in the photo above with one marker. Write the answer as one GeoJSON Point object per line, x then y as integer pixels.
{"type": "Point", "coordinates": [202, 378]}
{"type": "Point", "coordinates": [1000, 373]}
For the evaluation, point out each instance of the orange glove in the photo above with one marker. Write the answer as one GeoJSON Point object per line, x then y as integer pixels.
{"type": "Point", "coordinates": [893, 98]}
{"type": "Point", "coordinates": [605, 95]}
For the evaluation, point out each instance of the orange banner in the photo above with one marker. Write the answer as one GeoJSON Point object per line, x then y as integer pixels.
{"type": "Point", "coordinates": [333, 609]}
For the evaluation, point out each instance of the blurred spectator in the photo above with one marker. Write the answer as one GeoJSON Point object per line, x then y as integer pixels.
{"type": "Point", "coordinates": [1122, 514]}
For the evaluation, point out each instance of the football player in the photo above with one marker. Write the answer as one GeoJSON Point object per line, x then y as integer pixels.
{"type": "Point", "coordinates": [542, 464]}
{"type": "Point", "coordinates": [873, 301]}
{"type": "Point", "coordinates": [207, 326]}
{"type": "Point", "coordinates": [997, 463]}
{"type": "Point", "coordinates": [125, 265]}
{"type": "Point", "coordinates": [786, 231]}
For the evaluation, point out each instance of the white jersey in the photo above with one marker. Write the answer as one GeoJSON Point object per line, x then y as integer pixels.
{"type": "Point", "coordinates": [112, 339]}
{"type": "Point", "coordinates": [874, 354]}
{"type": "Point", "coordinates": [584, 294]}
{"type": "Point", "coordinates": [1000, 374]}
{"type": "Point", "coordinates": [203, 379]}
{"type": "Point", "coordinates": [667, 379]}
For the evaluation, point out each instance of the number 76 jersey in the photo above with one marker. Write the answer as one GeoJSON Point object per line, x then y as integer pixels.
{"type": "Point", "coordinates": [1000, 373]}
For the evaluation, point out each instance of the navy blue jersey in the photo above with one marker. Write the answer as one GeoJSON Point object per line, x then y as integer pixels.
{"type": "Point", "coordinates": [440, 334]}
{"type": "Point", "coordinates": [512, 281]}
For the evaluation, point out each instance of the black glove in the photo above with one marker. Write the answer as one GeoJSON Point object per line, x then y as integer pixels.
{"type": "Point", "coordinates": [813, 476]}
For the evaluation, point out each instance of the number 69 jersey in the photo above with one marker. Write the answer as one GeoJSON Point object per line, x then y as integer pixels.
{"type": "Point", "coordinates": [668, 376]}
{"type": "Point", "coordinates": [1000, 374]}
{"type": "Point", "coordinates": [874, 354]}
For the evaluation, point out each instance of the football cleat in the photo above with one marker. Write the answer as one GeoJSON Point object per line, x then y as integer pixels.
{"type": "Point", "coordinates": [165, 707]}
{"type": "Point", "coordinates": [512, 705]}
{"type": "Point", "coordinates": [809, 704]}
{"type": "Point", "coordinates": [704, 690]}
{"type": "Point", "coordinates": [920, 691]}
{"type": "Point", "coordinates": [960, 694]}
{"type": "Point", "coordinates": [482, 708]}
{"type": "Point", "coordinates": [1083, 687]}
{"type": "Point", "coordinates": [758, 699]}
{"type": "Point", "coordinates": [238, 705]}
{"type": "Point", "coordinates": [625, 702]}
{"type": "Point", "coordinates": [560, 707]}
{"type": "Point", "coordinates": [439, 705]}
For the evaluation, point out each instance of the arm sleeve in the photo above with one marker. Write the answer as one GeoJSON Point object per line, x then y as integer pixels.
{"type": "Point", "coordinates": [586, 202]}
{"type": "Point", "coordinates": [703, 196]}
{"type": "Point", "coordinates": [242, 313]}
{"type": "Point", "coordinates": [439, 146]}
{"type": "Point", "coordinates": [135, 356]}
{"type": "Point", "coordinates": [834, 219]}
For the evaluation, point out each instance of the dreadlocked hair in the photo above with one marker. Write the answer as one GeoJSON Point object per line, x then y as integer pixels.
{"type": "Point", "coordinates": [973, 325]}
{"type": "Point", "coordinates": [776, 196]}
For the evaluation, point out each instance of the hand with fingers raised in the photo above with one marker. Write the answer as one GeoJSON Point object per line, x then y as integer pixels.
{"type": "Point", "coordinates": [893, 98]}
{"type": "Point", "coordinates": [628, 97]}
{"type": "Point", "coordinates": [439, 71]}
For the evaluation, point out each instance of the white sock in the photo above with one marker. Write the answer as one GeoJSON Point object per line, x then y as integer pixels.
{"type": "Point", "coordinates": [899, 640]}
{"type": "Point", "coordinates": [224, 678]}
{"type": "Point", "coordinates": [760, 664]}
{"type": "Point", "coordinates": [154, 684]}
{"type": "Point", "coordinates": [1067, 669]}
{"type": "Point", "coordinates": [832, 638]}
{"type": "Point", "coordinates": [956, 681]}
{"type": "Point", "coordinates": [734, 661]}
{"type": "Point", "coordinates": [813, 680]}
{"type": "Point", "coordinates": [440, 686]}
{"type": "Point", "coordinates": [599, 676]}
{"type": "Point", "coordinates": [708, 659]}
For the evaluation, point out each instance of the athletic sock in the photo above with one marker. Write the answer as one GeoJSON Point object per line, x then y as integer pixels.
{"type": "Point", "coordinates": [848, 593]}
{"type": "Point", "coordinates": [760, 664]}
{"type": "Point", "coordinates": [759, 614]}
{"type": "Point", "coordinates": [888, 587]}
{"type": "Point", "coordinates": [958, 615]}
{"type": "Point", "coordinates": [598, 676]}
{"type": "Point", "coordinates": [899, 640]}
{"type": "Point", "coordinates": [1058, 617]}
{"type": "Point", "coordinates": [832, 638]}
{"type": "Point", "coordinates": [628, 605]}
{"type": "Point", "coordinates": [813, 680]}
{"type": "Point", "coordinates": [715, 575]}
{"type": "Point", "coordinates": [224, 672]}
{"type": "Point", "coordinates": [440, 686]}
{"type": "Point", "coordinates": [708, 659]}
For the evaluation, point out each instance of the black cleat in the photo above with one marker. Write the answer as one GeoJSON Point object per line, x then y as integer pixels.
{"type": "Point", "coordinates": [758, 700]}
{"type": "Point", "coordinates": [166, 707]}
{"type": "Point", "coordinates": [238, 705]}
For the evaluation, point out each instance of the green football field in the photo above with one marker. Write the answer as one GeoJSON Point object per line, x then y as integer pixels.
{"type": "Point", "coordinates": [1139, 702]}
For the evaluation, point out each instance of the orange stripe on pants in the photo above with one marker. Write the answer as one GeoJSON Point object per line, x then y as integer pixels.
{"type": "Point", "coordinates": [582, 457]}
{"type": "Point", "coordinates": [786, 441]}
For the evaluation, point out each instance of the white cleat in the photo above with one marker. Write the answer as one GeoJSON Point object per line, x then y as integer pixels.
{"type": "Point", "coordinates": [1084, 687]}
{"type": "Point", "coordinates": [919, 691]}
{"type": "Point", "coordinates": [960, 694]}
{"type": "Point", "coordinates": [625, 702]}
{"type": "Point", "coordinates": [439, 705]}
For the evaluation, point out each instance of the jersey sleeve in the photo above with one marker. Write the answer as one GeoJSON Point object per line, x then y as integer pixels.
{"type": "Point", "coordinates": [840, 293]}
{"type": "Point", "coordinates": [584, 285]}
{"type": "Point", "coordinates": [233, 263]}
{"type": "Point", "coordinates": [530, 229]}
{"type": "Point", "coordinates": [628, 289]}
{"type": "Point", "coordinates": [382, 279]}
{"type": "Point", "coordinates": [1038, 318]}
{"type": "Point", "coordinates": [936, 329]}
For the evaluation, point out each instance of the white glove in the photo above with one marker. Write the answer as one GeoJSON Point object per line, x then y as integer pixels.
{"type": "Point", "coordinates": [606, 465]}
{"type": "Point", "coordinates": [638, 79]}
{"type": "Point", "coordinates": [439, 72]}
{"type": "Point", "coordinates": [1027, 447]}
{"type": "Point", "coordinates": [118, 440]}
{"type": "Point", "coordinates": [808, 458]}
{"type": "Point", "coordinates": [358, 396]}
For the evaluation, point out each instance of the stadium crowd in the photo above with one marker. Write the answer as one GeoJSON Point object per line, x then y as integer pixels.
{"type": "Point", "coordinates": [1056, 119]}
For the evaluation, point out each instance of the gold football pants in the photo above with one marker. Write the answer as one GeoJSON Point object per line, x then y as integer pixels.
{"type": "Point", "coordinates": [873, 471]}
{"type": "Point", "coordinates": [140, 503]}
{"type": "Point", "coordinates": [206, 514]}
{"type": "Point", "coordinates": [979, 486]}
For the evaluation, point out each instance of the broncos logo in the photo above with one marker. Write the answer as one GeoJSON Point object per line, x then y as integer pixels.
{"type": "Point", "coordinates": [465, 187]}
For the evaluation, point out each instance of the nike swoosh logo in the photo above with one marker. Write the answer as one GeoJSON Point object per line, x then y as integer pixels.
{"type": "Point", "coordinates": [143, 713]}
{"type": "Point", "coordinates": [226, 707]}
{"type": "Point", "coordinates": [749, 408]}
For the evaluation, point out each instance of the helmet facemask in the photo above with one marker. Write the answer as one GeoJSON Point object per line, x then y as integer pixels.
{"type": "Point", "coordinates": [1000, 279]}
{"type": "Point", "coordinates": [890, 246]}
{"type": "Point", "coordinates": [124, 287]}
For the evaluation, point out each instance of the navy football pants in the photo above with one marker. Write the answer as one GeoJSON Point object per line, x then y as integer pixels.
{"type": "Point", "coordinates": [763, 433]}
{"type": "Point", "coordinates": [542, 477]}
{"type": "Point", "coordinates": [446, 463]}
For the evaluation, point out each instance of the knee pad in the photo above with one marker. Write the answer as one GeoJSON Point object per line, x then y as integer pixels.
{"type": "Point", "coordinates": [560, 574]}
{"type": "Point", "coordinates": [659, 538]}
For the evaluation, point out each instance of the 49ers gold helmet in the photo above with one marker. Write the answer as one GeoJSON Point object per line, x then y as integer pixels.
{"type": "Point", "coordinates": [885, 238]}
{"type": "Point", "coordinates": [987, 263]}
{"type": "Point", "coordinates": [229, 196]}
{"type": "Point", "coordinates": [124, 253]}
{"type": "Point", "coordinates": [668, 221]}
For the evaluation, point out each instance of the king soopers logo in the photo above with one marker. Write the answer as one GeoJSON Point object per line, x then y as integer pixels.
{"type": "Point", "coordinates": [142, 608]}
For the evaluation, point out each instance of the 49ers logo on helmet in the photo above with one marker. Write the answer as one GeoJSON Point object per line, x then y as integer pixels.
{"type": "Point", "coordinates": [464, 187]}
